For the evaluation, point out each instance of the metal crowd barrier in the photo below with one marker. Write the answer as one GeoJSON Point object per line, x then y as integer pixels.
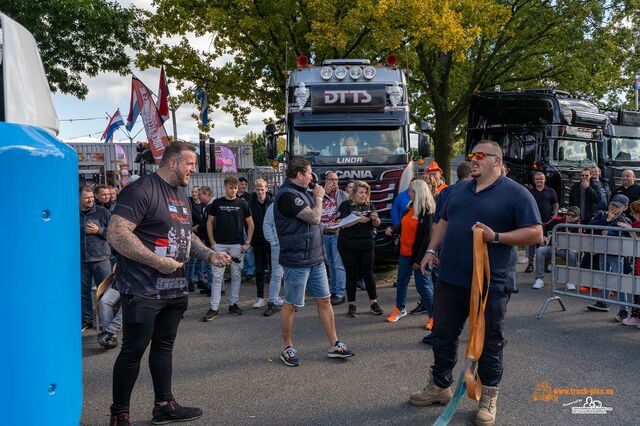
{"type": "Point", "coordinates": [612, 282]}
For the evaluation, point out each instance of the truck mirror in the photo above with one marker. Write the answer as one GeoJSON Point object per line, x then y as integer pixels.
{"type": "Point", "coordinates": [423, 145]}
{"type": "Point", "coordinates": [272, 146]}
{"type": "Point", "coordinates": [561, 153]}
{"type": "Point", "coordinates": [425, 126]}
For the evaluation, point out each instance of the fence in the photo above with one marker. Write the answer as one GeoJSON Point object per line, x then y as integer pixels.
{"type": "Point", "coordinates": [606, 266]}
{"type": "Point", "coordinates": [215, 181]}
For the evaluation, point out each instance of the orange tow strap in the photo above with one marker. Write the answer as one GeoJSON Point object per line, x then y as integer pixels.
{"type": "Point", "coordinates": [481, 274]}
{"type": "Point", "coordinates": [477, 304]}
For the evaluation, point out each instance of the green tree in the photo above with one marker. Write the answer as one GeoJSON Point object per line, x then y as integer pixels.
{"type": "Point", "coordinates": [451, 49]}
{"type": "Point", "coordinates": [78, 37]}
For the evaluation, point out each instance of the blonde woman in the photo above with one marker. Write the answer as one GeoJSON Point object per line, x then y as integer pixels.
{"type": "Point", "coordinates": [415, 232]}
{"type": "Point", "coordinates": [356, 243]}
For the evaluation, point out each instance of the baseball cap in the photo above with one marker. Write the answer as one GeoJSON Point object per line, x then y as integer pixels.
{"type": "Point", "coordinates": [619, 200]}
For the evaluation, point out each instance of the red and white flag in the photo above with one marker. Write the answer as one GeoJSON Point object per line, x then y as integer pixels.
{"type": "Point", "coordinates": [143, 103]}
{"type": "Point", "coordinates": [163, 97]}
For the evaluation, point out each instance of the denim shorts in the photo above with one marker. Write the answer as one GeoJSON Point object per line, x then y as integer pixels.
{"type": "Point", "coordinates": [297, 279]}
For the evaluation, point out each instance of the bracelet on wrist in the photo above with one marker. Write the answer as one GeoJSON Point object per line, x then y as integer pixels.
{"type": "Point", "coordinates": [432, 251]}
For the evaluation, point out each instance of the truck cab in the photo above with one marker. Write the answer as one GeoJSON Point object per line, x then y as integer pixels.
{"type": "Point", "coordinates": [352, 117]}
{"type": "Point", "coordinates": [621, 148]}
{"type": "Point", "coordinates": [539, 130]}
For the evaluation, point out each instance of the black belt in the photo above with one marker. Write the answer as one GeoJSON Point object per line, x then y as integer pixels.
{"type": "Point", "coordinates": [329, 232]}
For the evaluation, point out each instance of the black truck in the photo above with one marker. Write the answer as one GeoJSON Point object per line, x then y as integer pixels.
{"type": "Point", "coordinates": [539, 130]}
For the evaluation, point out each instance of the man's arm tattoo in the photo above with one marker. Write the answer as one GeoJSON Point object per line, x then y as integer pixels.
{"type": "Point", "coordinates": [121, 237]}
{"type": "Point", "coordinates": [310, 215]}
{"type": "Point", "coordinates": [198, 249]}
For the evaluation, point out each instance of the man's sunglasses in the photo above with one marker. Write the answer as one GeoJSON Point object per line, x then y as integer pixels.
{"type": "Point", "coordinates": [478, 155]}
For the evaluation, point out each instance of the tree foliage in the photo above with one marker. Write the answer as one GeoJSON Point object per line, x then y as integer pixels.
{"type": "Point", "coordinates": [451, 49]}
{"type": "Point", "coordinates": [78, 37]}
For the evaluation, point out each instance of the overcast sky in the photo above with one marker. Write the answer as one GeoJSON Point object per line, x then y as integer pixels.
{"type": "Point", "coordinates": [110, 91]}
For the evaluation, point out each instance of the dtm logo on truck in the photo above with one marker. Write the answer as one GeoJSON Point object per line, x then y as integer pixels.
{"type": "Point", "coordinates": [349, 160]}
{"type": "Point", "coordinates": [354, 174]}
{"type": "Point", "coordinates": [340, 96]}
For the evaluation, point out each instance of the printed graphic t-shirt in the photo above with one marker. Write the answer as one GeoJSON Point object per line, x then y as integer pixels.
{"type": "Point", "coordinates": [163, 218]}
{"type": "Point", "coordinates": [230, 217]}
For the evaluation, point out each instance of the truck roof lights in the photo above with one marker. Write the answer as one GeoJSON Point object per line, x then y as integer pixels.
{"type": "Point", "coordinates": [355, 72]}
{"type": "Point", "coordinates": [392, 60]}
{"type": "Point", "coordinates": [326, 73]}
{"type": "Point", "coordinates": [340, 72]}
{"type": "Point", "coordinates": [301, 95]}
{"type": "Point", "coordinates": [395, 93]}
{"type": "Point", "coordinates": [303, 61]}
{"type": "Point", "coordinates": [369, 72]}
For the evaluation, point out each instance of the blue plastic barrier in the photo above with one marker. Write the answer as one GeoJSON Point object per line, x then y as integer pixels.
{"type": "Point", "coordinates": [40, 279]}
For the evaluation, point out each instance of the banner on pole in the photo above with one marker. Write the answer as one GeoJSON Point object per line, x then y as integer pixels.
{"type": "Point", "coordinates": [156, 134]}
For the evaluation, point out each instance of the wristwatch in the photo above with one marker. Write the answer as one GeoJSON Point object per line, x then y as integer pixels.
{"type": "Point", "coordinates": [496, 238]}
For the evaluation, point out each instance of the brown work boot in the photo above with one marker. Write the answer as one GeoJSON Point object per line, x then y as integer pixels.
{"type": "Point", "coordinates": [431, 394]}
{"type": "Point", "coordinates": [486, 415]}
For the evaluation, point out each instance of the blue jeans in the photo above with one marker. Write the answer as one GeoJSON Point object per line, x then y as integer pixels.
{"type": "Point", "coordinates": [424, 285]}
{"type": "Point", "coordinates": [613, 264]}
{"type": "Point", "coordinates": [110, 323]}
{"type": "Point", "coordinates": [91, 273]}
{"type": "Point", "coordinates": [249, 263]}
{"type": "Point", "coordinates": [337, 275]}
{"type": "Point", "coordinates": [276, 275]}
{"type": "Point", "coordinates": [195, 269]}
{"type": "Point", "coordinates": [296, 280]}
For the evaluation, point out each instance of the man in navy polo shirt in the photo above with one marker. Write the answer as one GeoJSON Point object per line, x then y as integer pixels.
{"type": "Point", "coordinates": [509, 217]}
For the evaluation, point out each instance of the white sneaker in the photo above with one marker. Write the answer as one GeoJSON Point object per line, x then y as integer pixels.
{"type": "Point", "coordinates": [571, 287]}
{"type": "Point", "coordinates": [279, 302]}
{"type": "Point", "coordinates": [538, 284]}
{"type": "Point", "coordinates": [259, 303]}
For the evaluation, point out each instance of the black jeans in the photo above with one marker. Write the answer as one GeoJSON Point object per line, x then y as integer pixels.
{"type": "Point", "coordinates": [358, 264]}
{"type": "Point", "coordinates": [262, 256]}
{"type": "Point", "coordinates": [146, 320]}
{"type": "Point", "coordinates": [450, 312]}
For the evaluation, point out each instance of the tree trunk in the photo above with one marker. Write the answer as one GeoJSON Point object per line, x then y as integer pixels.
{"type": "Point", "coordinates": [442, 145]}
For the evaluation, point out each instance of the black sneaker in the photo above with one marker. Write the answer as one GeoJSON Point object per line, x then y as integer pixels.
{"type": "Point", "coordinates": [428, 339]}
{"type": "Point", "coordinates": [173, 412]}
{"type": "Point", "coordinates": [120, 419]}
{"type": "Point", "coordinates": [191, 287]}
{"type": "Point", "coordinates": [337, 300]}
{"type": "Point", "coordinates": [375, 309]}
{"type": "Point", "coordinates": [210, 315]}
{"type": "Point", "coordinates": [547, 269]}
{"type": "Point", "coordinates": [599, 307]}
{"type": "Point", "coordinates": [85, 326]}
{"type": "Point", "coordinates": [340, 350]}
{"type": "Point", "coordinates": [107, 340]}
{"type": "Point", "coordinates": [272, 308]}
{"type": "Point", "coordinates": [418, 309]}
{"type": "Point", "coordinates": [529, 268]}
{"type": "Point", "coordinates": [621, 315]}
{"type": "Point", "coordinates": [235, 310]}
{"type": "Point", "coordinates": [351, 313]}
{"type": "Point", "coordinates": [201, 284]}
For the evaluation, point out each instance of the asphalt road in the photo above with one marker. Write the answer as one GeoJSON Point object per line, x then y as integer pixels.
{"type": "Point", "coordinates": [231, 369]}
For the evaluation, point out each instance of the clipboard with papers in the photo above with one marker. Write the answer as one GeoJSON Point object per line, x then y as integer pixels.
{"type": "Point", "coordinates": [352, 218]}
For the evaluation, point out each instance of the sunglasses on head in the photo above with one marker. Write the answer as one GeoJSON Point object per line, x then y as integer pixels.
{"type": "Point", "coordinates": [478, 155]}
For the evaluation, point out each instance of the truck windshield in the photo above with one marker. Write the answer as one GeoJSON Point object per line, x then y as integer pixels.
{"type": "Point", "coordinates": [348, 141]}
{"type": "Point", "coordinates": [580, 153]}
{"type": "Point", "coordinates": [624, 149]}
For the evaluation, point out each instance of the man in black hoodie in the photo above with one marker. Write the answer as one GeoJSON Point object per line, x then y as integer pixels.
{"type": "Point", "coordinates": [261, 249]}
